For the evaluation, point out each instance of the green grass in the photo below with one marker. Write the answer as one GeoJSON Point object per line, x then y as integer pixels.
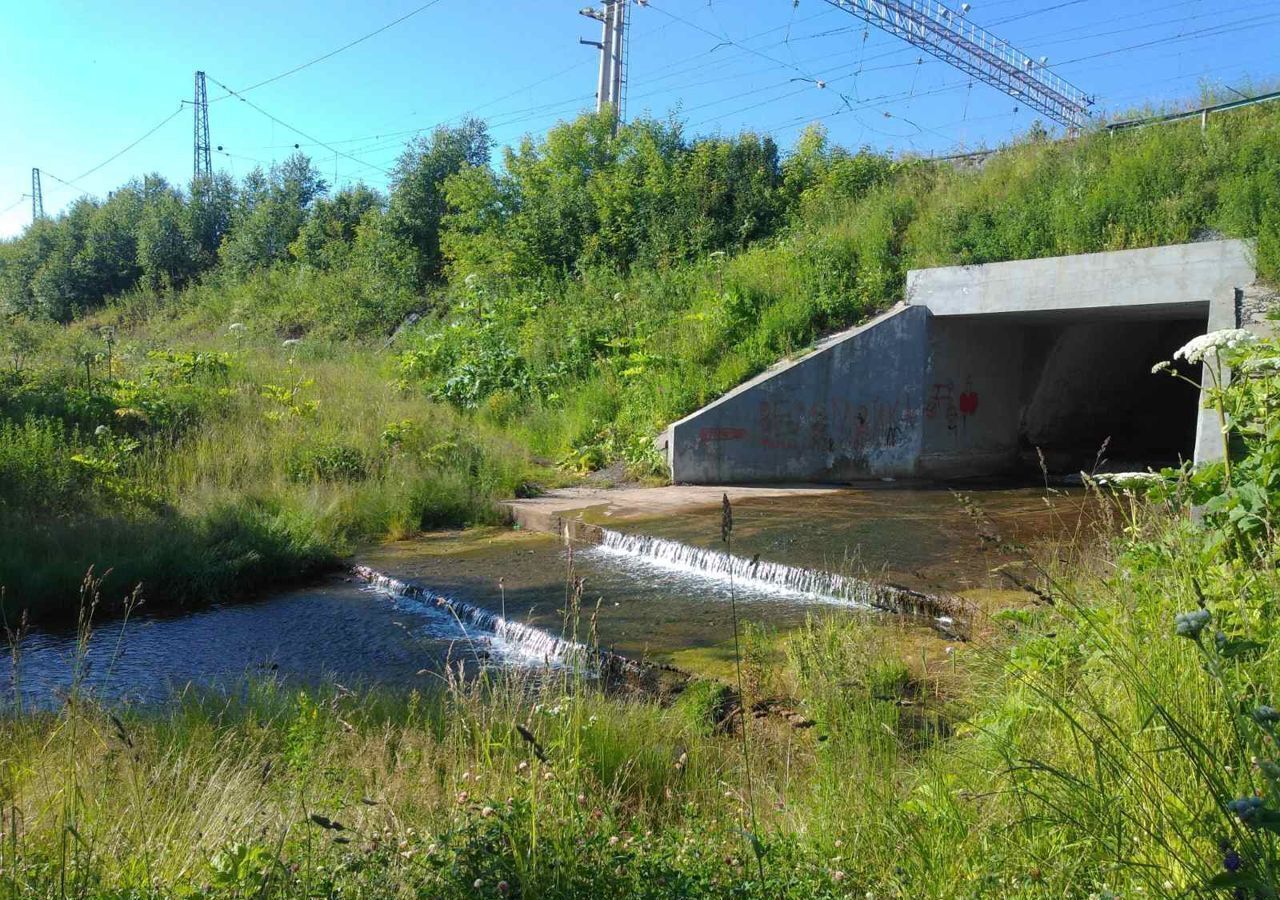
{"type": "Point", "coordinates": [1077, 749]}
{"type": "Point", "coordinates": [276, 460]}
{"type": "Point", "coordinates": [205, 483]}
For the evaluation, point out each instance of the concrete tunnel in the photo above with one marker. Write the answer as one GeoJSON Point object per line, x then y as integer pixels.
{"type": "Point", "coordinates": [983, 368]}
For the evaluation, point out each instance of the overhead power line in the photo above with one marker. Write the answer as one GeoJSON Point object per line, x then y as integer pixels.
{"type": "Point", "coordinates": [110, 159]}
{"type": "Point", "coordinates": [295, 130]}
{"type": "Point", "coordinates": [331, 53]}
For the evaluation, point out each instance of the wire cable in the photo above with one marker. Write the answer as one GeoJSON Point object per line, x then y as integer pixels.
{"type": "Point", "coordinates": [296, 131]}
{"type": "Point", "coordinates": [331, 53]}
{"type": "Point", "coordinates": [71, 181]}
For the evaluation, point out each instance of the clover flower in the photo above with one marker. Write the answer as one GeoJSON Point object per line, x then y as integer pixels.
{"type": "Point", "coordinates": [1196, 349]}
{"type": "Point", "coordinates": [1246, 809]}
{"type": "Point", "coordinates": [1190, 624]}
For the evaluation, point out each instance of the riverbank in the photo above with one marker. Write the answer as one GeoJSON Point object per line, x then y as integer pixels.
{"type": "Point", "coordinates": [1085, 746]}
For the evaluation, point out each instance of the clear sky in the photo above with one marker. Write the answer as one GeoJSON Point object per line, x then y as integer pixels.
{"type": "Point", "coordinates": [84, 79]}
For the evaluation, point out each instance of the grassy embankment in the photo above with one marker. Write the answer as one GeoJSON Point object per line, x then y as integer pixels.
{"type": "Point", "coordinates": [229, 459]}
{"type": "Point", "coordinates": [1117, 738]}
{"type": "Point", "coordinates": [1097, 743]}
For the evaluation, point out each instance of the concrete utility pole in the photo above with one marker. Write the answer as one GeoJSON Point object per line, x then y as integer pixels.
{"type": "Point", "coordinates": [619, 45]}
{"type": "Point", "coordinates": [612, 46]}
{"type": "Point", "coordinates": [604, 83]}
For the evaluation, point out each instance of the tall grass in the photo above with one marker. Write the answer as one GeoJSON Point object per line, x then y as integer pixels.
{"type": "Point", "coordinates": [1088, 745]}
{"type": "Point", "coordinates": [260, 467]}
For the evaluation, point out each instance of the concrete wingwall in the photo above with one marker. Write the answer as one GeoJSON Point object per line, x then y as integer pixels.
{"type": "Point", "coordinates": [848, 410]}
{"type": "Point", "coordinates": [979, 364]}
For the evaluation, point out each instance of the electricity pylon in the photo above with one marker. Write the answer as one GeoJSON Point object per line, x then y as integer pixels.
{"type": "Point", "coordinates": [203, 162]}
{"type": "Point", "coordinates": [948, 35]}
{"type": "Point", "coordinates": [37, 197]}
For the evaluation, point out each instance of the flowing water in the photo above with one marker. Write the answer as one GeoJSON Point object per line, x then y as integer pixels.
{"type": "Point", "coordinates": [497, 596]}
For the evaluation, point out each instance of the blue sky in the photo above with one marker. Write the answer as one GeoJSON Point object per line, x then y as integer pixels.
{"type": "Point", "coordinates": [84, 79]}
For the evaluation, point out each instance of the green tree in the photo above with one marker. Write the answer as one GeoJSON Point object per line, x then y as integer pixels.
{"type": "Point", "coordinates": [165, 253]}
{"type": "Point", "coordinates": [209, 210]}
{"type": "Point", "coordinates": [271, 212]}
{"type": "Point", "coordinates": [106, 262]}
{"type": "Point", "coordinates": [418, 202]}
{"type": "Point", "coordinates": [326, 239]}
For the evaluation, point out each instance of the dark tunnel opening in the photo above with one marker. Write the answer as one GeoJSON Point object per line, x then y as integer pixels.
{"type": "Point", "coordinates": [1090, 395]}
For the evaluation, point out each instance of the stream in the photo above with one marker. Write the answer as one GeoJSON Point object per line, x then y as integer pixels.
{"type": "Point", "coordinates": [495, 597]}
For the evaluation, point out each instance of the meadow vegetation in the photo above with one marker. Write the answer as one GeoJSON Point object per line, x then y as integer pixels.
{"type": "Point", "coordinates": [1114, 736]}
{"type": "Point", "coordinates": [209, 386]}
{"type": "Point", "coordinates": [207, 389]}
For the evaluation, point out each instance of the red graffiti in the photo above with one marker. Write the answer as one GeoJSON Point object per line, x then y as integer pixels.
{"type": "Point", "coordinates": [707, 435]}
{"type": "Point", "coordinates": [968, 403]}
{"type": "Point", "coordinates": [794, 425]}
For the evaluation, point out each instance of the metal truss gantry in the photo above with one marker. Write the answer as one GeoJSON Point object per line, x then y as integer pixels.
{"type": "Point", "coordinates": [948, 35]}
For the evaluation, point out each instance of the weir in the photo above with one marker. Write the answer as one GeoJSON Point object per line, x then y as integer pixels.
{"type": "Point", "coordinates": [499, 636]}
{"type": "Point", "coordinates": [788, 583]}
{"type": "Point", "coordinates": [985, 370]}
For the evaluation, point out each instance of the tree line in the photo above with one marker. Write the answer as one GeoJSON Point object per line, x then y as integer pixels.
{"type": "Point", "coordinates": [582, 196]}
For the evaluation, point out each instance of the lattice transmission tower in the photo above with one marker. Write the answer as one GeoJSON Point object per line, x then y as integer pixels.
{"type": "Point", "coordinates": [948, 35]}
{"type": "Point", "coordinates": [203, 160]}
{"type": "Point", "coordinates": [37, 197]}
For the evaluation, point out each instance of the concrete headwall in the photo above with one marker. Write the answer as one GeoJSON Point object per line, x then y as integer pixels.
{"type": "Point", "coordinates": [1127, 282]}
{"type": "Point", "coordinates": [848, 410]}
{"type": "Point", "coordinates": [981, 363]}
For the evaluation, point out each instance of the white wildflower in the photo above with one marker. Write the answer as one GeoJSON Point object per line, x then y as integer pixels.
{"type": "Point", "coordinates": [471, 280]}
{"type": "Point", "coordinates": [235, 327]}
{"type": "Point", "coordinates": [1129, 480]}
{"type": "Point", "coordinates": [1261, 364]}
{"type": "Point", "coordinates": [1160, 367]}
{"type": "Point", "coordinates": [1196, 349]}
{"type": "Point", "coordinates": [291, 342]}
{"type": "Point", "coordinates": [101, 431]}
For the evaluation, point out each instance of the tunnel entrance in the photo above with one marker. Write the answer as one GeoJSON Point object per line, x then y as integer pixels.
{"type": "Point", "coordinates": [1090, 395]}
{"type": "Point", "coordinates": [981, 369]}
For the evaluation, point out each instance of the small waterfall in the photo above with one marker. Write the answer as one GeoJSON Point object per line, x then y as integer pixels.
{"type": "Point", "coordinates": [777, 578]}
{"type": "Point", "coordinates": [509, 640]}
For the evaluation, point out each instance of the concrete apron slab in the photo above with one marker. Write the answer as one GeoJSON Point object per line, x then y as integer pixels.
{"type": "Point", "coordinates": [976, 366]}
{"type": "Point", "coordinates": [566, 511]}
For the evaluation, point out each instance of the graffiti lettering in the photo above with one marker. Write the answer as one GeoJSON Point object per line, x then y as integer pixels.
{"type": "Point", "coordinates": [707, 435]}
